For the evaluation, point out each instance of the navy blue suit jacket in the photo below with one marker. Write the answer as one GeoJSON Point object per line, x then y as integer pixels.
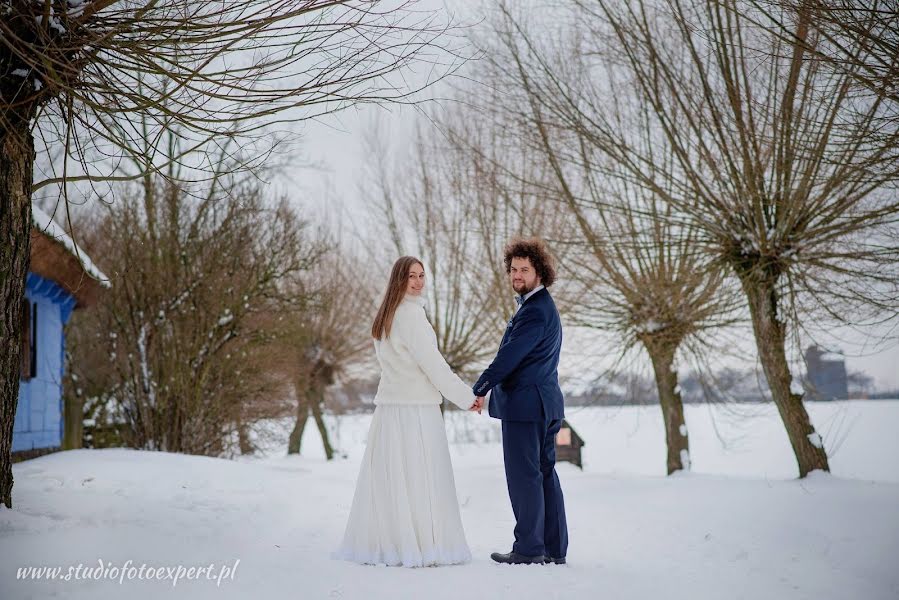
{"type": "Point", "coordinates": [524, 375]}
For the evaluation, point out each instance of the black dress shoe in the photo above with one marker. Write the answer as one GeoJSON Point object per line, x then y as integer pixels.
{"type": "Point", "coordinates": [513, 558]}
{"type": "Point", "coordinates": [556, 561]}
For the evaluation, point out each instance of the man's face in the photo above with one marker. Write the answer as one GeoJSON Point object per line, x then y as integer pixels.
{"type": "Point", "coordinates": [523, 276]}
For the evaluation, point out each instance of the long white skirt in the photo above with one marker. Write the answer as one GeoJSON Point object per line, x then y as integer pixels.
{"type": "Point", "coordinates": [405, 511]}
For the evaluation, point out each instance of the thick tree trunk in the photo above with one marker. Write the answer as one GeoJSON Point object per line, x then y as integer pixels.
{"type": "Point", "coordinates": [296, 435]}
{"type": "Point", "coordinates": [770, 337]}
{"type": "Point", "coordinates": [16, 160]}
{"type": "Point", "coordinates": [662, 356]}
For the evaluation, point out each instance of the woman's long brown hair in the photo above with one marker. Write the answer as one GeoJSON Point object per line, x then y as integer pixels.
{"type": "Point", "coordinates": [396, 291]}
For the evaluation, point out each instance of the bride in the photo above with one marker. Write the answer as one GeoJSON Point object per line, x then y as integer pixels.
{"type": "Point", "coordinates": [405, 511]}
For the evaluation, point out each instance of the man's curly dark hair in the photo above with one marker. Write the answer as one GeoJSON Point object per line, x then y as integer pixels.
{"type": "Point", "coordinates": [534, 249]}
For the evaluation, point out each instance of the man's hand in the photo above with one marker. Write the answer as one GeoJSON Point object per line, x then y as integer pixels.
{"type": "Point", "coordinates": [478, 405]}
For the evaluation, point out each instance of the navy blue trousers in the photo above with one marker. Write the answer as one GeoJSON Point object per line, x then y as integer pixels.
{"type": "Point", "coordinates": [529, 454]}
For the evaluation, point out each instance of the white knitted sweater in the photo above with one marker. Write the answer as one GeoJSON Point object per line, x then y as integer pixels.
{"type": "Point", "coordinates": [412, 369]}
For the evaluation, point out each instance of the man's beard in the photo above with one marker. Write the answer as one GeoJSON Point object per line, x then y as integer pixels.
{"type": "Point", "coordinates": [525, 290]}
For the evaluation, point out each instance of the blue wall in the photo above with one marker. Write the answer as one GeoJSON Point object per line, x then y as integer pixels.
{"type": "Point", "coordinates": [38, 421]}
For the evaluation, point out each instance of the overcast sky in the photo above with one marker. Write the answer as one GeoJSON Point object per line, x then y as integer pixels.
{"type": "Point", "coordinates": [337, 144]}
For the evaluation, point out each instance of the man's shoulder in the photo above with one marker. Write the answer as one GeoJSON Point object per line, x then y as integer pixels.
{"type": "Point", "coordinates": [541, 301]}
{"type": "Point", "coordinates": [543, 304]}
{"type": "Point", "coordinates": [533, 311]}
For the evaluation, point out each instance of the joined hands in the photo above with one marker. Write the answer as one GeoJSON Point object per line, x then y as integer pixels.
{"type": "Point", "coordinates": [478, 404]}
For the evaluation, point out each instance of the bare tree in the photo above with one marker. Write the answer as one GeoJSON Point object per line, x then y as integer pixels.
{"type": "Point", "coordinates": [773, 156]}
{"type": "Point", "coordinates": [640, 281]}
{"type": "Point", "coordinates": [216, 70]}
{"type": "Point", "coordinates": [331, 336]}
{"type": "Point", "coordinates": [180, 354]}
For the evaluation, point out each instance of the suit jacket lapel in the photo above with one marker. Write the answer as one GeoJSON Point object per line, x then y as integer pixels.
{"type": "Point", "coordinates": [512, 320]}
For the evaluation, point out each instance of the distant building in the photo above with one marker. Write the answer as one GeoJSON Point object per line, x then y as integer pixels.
{"type": "Point", "coordinates": [61, 278]}
{"type": "Point", "coordinates": [826, 378]}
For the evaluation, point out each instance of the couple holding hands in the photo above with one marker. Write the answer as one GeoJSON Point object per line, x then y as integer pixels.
{"type": "Point", "coordinates": [405, 510]}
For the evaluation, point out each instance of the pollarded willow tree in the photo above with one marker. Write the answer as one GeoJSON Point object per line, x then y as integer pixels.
{"type": "Point", "coordinates": [641, 280]}
{"type": "Point", "coordinates": [332, 336]}
{"type": "Point", "coordinates": [780, 160]}
{"type": "Point", "coordinates": [87, 69]}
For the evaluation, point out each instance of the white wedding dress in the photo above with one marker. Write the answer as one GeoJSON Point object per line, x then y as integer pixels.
{"type": "Point", "coordinates": [405, 510]}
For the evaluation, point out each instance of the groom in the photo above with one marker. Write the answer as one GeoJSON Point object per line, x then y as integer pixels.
{"type": "Point", "coordinates": [527, 398]}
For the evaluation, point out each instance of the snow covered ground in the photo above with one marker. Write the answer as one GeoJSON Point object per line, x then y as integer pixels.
{"type": "Point", "coordinates": [738, 526]}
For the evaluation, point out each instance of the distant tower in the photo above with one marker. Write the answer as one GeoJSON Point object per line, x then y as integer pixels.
{"type": "Point", "coordinates": [826, 374]}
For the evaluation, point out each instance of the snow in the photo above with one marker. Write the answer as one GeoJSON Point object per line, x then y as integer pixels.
{"type": "Point", "coordinates": [651, 326]}
{"type": "Point", "coordinates": [76, 8]}
{"type": "Point", "coordinates": [738, 521]}
{"type": "Point", "coordinates": [47, 225]}
{"type": "Point", "coordinates": [20, 72]}
{"type": "Point", "coordinates": [748, 245]}
{"type": "Point", "coordinates": [815, 438]}
{"type": "Point", "coordinates": [55, 24]}
{"type": "Point", "coordinates": [683, 430]}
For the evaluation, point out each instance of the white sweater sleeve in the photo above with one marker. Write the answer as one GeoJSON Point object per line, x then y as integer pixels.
{"type": "Point", "coordinates": [420, 339]}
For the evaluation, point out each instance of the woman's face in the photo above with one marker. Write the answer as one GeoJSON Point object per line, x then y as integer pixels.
{"type": "Point", "coordinates": [416, 280]}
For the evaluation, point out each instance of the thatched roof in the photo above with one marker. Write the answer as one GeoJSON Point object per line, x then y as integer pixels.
{"type": "Point", "coordinates": [55, 255]}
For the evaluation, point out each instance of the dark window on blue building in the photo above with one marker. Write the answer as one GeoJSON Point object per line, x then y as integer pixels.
{"type": "Point", "coordinates": [29, 339]}
{"type": "Point", "coordinates": [33, 339]}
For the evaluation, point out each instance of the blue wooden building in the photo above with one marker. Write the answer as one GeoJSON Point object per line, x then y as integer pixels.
{"type": "Point", "coordinates": [61, 279]}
